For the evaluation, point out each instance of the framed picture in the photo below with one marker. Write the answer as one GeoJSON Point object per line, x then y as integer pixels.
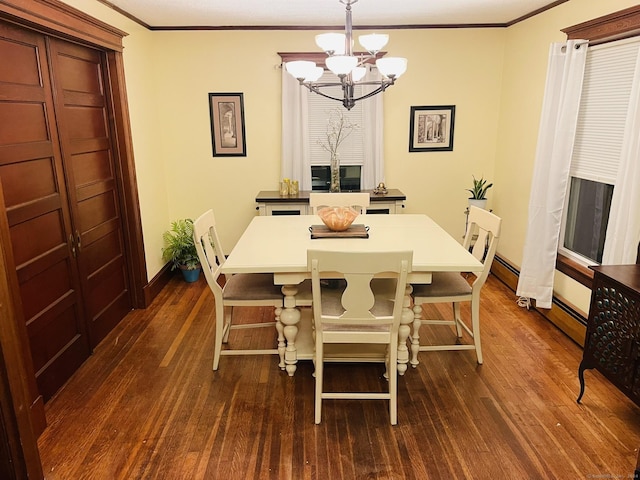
{"type": "Point", "coordinates": [431, 128]}
{"type": "Point", "coordinates": [227, 124]}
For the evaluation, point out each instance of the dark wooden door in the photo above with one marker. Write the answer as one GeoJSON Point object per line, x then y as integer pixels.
{"type": "Point", "coordinates": [57, 174]}
{"type": "Point", "coordinates": [83, 123]}
{"type": "Point", "coordinates": [37, 210]}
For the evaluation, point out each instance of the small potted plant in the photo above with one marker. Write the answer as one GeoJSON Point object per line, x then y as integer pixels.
{"type": "Point", "coordinates": [180, 249]}
{"type": "Point", "coordinates": [479, 192]}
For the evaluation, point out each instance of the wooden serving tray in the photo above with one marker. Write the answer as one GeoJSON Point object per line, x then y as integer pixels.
{"type": "Point", "coordinates": [358, 230]}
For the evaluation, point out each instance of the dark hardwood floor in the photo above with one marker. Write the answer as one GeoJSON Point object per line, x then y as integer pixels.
{"type": "Point", "coordinates": [147, 405]}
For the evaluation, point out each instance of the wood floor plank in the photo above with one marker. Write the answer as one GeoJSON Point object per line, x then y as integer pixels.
{"type": "Point", "coordinates": [147, 405]}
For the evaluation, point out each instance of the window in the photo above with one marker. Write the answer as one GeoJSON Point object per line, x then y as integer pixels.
{"type": "Point", "coordinates": [621, 24]}
{"type": "Point", "coordinates": [608, 79]}
{"type": "Point", "coordinates": [351, 150]}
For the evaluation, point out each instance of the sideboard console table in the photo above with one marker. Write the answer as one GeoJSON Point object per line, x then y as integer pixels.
{"type": "Point", "coordinates": [271, 203]}
{"type": "Point", "coordinates": [612, 343]}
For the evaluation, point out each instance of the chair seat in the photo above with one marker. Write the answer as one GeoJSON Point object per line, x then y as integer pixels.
{"type": "Point", "coordinates": [250, 286]}
{"type": "Point", "coordinates": [443, 284]}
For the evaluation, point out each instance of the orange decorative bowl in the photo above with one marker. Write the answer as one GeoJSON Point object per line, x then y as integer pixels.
{"type": "Point", "coordinates": [337, 219]}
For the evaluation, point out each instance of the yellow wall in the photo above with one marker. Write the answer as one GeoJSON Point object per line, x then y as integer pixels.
{"type": "Point", "coordinates": [443, 70]}
{"type": "Point", "coordinates": [495, 77]}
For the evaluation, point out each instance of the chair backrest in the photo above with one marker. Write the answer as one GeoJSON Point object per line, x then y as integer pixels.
{"type": "Point", "coordinates": [358, 302]}
{"type": "Point", "coordinates": [483, 227]}
{"type": "Point", "coordinates": [209, 249]}
{"type": "Point", "coordinates": [358, 200]}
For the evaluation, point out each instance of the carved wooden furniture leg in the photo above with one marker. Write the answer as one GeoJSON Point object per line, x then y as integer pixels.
{"type": "Point", "coordinates": [404, 330]}
{"type": "Point", "coordinates": [282, 344]}
{"type": "Point", "coordinates": [415, 335]}
{"type": "Point", "coordinates": [290, 317]}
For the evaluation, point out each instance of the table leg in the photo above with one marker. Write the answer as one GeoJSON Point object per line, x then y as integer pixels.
{"type": "Point", "coordinates": [290, 317]}
{"type": "Point", "coordinates": [404, 330]}
{"type": "Point", "coordinates": [282, 344]}
{"type": "Point", "coordinates": [415, 336]}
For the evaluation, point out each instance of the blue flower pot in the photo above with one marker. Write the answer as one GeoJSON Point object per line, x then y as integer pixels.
{"type": "Point", "coordinates": [191, 275]}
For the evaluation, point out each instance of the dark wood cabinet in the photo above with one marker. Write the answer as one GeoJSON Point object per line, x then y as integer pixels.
{"type": "Point", "coordinates": [612, 343]}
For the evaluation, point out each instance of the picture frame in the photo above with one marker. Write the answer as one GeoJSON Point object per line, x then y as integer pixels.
{"type": "Point", "coordinates": [431, 128]}
{"type": "Point", "coordinates": [227, 124]}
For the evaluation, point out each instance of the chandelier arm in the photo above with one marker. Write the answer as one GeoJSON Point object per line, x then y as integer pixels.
{"type": "Point", "coordinates": [315, 90]}
{"type": "Point", "coordinates": [378, 90]}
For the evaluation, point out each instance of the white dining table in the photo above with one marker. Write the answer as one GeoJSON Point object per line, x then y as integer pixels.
{"type": "Point", "coordinates": [279, 244]}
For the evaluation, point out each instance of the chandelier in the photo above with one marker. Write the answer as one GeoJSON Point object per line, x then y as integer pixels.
{"type": "Point", "coordinates": [349, 67]}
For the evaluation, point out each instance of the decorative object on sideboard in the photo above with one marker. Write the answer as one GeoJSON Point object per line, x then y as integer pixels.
{"type": "Point", "coordinates": [348, 65]}
{"type": "Point", "coordinates": [180, 249]}
{"type": "Point", "coordinates": [431, 128]}
{"type": "Point", "coordinates": [479, 192]}
{"type": "Point", "coordinates": [381, 189]}
{"type": "Point", "coordinates": [339, 128]}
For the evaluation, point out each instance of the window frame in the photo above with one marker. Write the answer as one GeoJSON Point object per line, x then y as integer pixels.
{"type": "Point", "coordinates": [615, 26]}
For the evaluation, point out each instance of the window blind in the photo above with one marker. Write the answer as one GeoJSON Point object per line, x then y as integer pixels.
{"type": "Point", "coordinates": [352, 149]}
{"type": "Point", "coordinates": [606, 90]}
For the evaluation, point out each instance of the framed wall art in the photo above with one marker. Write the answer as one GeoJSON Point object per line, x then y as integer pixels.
{"type": "Point", "coordinates": [227, 124]}
{"type": "Point", "coordinates": [431, 128]}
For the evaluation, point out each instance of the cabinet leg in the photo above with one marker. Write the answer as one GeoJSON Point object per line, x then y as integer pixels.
{"type": "Point", "coordinates": [581, 370]}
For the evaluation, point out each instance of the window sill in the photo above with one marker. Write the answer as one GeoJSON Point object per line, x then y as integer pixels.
{"type": "Point", "coordinates": [573, 269]}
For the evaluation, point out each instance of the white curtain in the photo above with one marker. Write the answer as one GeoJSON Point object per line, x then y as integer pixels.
{"type": "Point", "coordinates": [623, 229]}
{"type": "Point", "coordinates": [551, 169]}
{"type": "Point", "coordinates": [373, 164]}
{"type": "Point", "coordinates": [296, 157]}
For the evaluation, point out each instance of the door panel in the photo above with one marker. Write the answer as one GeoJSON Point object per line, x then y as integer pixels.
{"type": "Point", "coordinates": [31, 172]}
{"type": "Point", "coordinates": [83, 120]}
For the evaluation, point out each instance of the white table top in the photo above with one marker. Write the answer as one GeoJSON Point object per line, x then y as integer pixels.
{"type": "Point", "coordinates": [279, 244]}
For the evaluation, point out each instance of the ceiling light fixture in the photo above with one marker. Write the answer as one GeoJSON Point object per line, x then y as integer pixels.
{"type": "Point", "coordinates": [348, 67]}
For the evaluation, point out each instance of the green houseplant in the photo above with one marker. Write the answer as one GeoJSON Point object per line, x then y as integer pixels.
{"type": "Point", "coordinates": [180, 249]}
{"type": "Point", "coordinates": [479, 192]}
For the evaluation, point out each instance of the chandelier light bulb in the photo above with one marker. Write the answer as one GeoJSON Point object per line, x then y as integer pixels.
{"type": "Point", "coordinates": [331, 43]}
{"type": "Point", "coordinates": [358, 73]}
{"type": "Point", "coordinates": [392, 67]}
{"type": "Point", "coordinates": [314, 75]}
{"type": "Point", "coordinates": [373, 42]}
{"type": "Point", "coordinates": [342, 64]}
{"type": "Point", "coordinates": [302, 69]}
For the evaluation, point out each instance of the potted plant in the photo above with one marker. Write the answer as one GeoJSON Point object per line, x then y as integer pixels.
{"type": "Point", "coordinates": [479, 192]}
{"type": "Point", "coordinates": [180, 249]}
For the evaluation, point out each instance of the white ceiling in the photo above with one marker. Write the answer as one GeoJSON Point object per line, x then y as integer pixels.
{"type": "Point", "coordinates": [306, 13]}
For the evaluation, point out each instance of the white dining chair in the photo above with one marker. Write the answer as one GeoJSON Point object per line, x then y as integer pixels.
{"type": "Point", "coordinates": [363, 312]}
{"type": "Point", "coordinates": [483, 228]}
{"type": "Point", "coordinates": [239, 290]}
{"type": "Point", "coordinates": [358, 200]}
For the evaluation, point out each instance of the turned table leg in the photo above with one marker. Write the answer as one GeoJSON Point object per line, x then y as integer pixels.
{"type": "Point", "coordinates": [290, 317]}
{"type": "Point", "coordinates": [404, 330]}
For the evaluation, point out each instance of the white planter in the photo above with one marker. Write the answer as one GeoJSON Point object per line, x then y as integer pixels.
{"type": "Point", "coordinates": [478, 203]}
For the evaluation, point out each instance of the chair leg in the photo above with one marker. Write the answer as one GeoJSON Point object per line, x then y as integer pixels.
{"type": "Point", "coordinates": [475, 324]}
{"type": "Point", "coordinates": [217, 342]}
{"type": "Point", "coordinates": [319, 363]}
{"type": "Point", "coordinates": [458, 318]}
{"type": "Point", "coordinates": [228, 318]}
{"type": "Point", "coordinates": [393, 387]}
